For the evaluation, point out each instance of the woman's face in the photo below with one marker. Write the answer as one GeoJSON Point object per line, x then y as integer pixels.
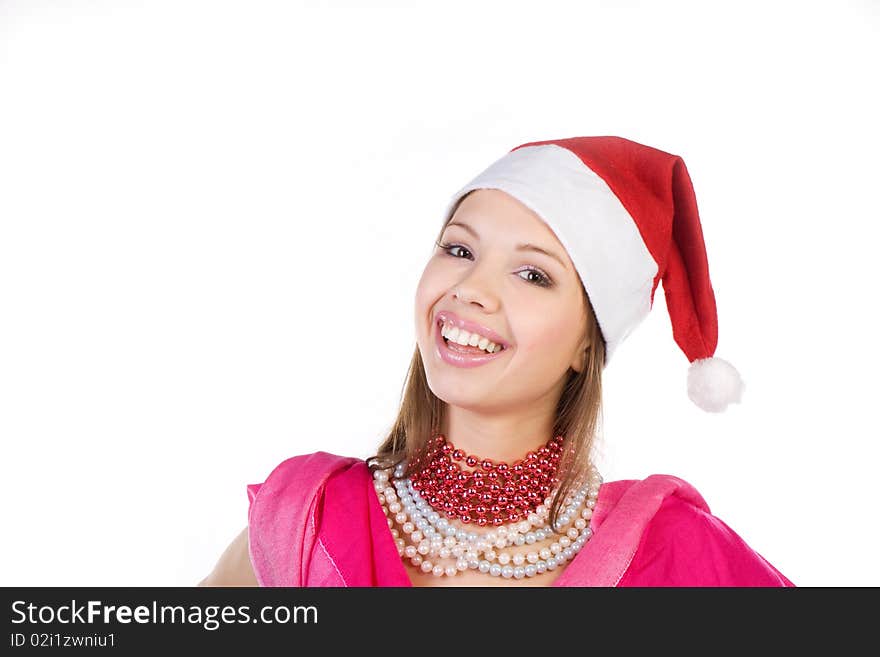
{"type": "Point", "coordinates": [531, 300]}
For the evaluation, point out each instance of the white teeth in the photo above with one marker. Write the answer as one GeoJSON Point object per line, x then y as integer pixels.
{"type": "Point", "coordinates": [464, 338]}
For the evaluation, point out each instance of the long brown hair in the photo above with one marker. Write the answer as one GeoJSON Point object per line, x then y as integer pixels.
{"type": "Point", "coordinates": [578, 414]}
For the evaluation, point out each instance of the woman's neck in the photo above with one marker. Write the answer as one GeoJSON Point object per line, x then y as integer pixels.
{"type": "Point", "coordinates": [504, 438]}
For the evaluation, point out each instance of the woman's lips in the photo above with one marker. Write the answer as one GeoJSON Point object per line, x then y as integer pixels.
{"type": "Point", "coordinates": [471, 327]}
{"type": "Point", "coordinates": [461, 359]}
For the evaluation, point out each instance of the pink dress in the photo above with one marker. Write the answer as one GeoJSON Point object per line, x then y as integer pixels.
{"type": "Point", "coordinates": [316, 521]}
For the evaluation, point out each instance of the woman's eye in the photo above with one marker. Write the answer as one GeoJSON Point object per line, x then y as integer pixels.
{"type": "Point", "coordinates": [542, 281]}
{"type": "Point", "coordinates": [448, 248]}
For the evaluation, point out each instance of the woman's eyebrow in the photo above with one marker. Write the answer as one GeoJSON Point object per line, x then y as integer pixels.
{"type": "Point", "coordinates": [520, 247]}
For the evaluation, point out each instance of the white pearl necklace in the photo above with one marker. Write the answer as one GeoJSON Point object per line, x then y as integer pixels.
{"type": "Point", "coordinates": [455, 549]}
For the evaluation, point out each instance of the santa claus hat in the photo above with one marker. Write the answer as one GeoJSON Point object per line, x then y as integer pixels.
{"type": "Point", "coordinates": [627, 215]}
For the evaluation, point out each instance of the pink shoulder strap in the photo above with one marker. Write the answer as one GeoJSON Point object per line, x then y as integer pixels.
{"type": "Point", "coordinates": [628, 508]}
{"type": "Point", "coordinates": [281, 526]}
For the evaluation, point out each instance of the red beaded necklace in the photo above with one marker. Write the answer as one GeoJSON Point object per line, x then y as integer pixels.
{"type": "Point", "coordinates": [493, 492]}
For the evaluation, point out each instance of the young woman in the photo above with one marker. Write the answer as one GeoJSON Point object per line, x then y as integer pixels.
{"type": "Point", "coordinates": [545, 263]}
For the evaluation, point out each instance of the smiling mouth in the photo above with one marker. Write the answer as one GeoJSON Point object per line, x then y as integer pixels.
{"type": "Point", "coordinates": [465, 349]}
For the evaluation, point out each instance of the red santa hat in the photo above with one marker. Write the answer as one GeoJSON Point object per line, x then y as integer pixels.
{"type": "Point", "coordinates": [627, 215]}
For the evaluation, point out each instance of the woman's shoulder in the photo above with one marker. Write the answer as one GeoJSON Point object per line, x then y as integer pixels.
{"type": "Point", "coordinates": [646, 496]}
{"type": "Point", "coordinates": [666, 505]}
{"type": "Point", "coordinates": [304, 472]}
{"type": "Point", "coordinates": [282, 513]}
{"type": "Point", "coordinates": [683, 543]}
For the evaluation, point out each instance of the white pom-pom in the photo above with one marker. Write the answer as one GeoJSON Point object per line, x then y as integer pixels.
{"type": "Point", "coordinates": [713, 383]}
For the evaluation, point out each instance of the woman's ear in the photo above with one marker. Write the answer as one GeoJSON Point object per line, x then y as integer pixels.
{"type": "Point", "coordinates": [580, 360]}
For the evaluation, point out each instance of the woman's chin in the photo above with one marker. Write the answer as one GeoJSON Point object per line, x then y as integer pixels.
{"type": "Point", "coordinates": [452, 391]}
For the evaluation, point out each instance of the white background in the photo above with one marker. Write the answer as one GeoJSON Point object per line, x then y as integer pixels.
{"type": "Point", "coordinates": [211, 213]}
